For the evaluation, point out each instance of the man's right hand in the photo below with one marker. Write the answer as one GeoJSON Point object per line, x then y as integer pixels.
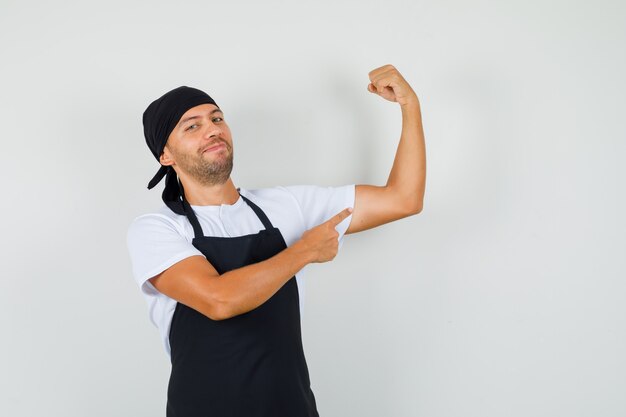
{"type": "Point", "coordinates": [194, 282]}
{"type": "Point", "coordinates": [321, 240]}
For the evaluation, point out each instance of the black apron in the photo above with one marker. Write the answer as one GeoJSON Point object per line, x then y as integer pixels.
{"type": "Point", "coordinates": [250, 365]}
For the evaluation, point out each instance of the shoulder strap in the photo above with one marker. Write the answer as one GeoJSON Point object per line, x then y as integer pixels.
{"type": "Point", "coordinates": [193, 219]}
{"type": "Point", "coordinates": [260, 214]}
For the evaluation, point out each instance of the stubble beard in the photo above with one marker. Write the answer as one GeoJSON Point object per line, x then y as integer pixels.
{"type": "Point", "coordinates": [206, 170]}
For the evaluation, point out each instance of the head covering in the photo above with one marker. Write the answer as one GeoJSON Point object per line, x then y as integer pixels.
{"type": "Point", "coordinates": [159, 119]}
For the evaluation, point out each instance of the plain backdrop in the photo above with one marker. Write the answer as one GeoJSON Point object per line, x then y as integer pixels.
{"type": "Point", "coordinates": [505, 296]}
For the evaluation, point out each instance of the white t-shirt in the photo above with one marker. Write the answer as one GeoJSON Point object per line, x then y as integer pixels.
{"type": "Point", "coordinates": [160, 239]}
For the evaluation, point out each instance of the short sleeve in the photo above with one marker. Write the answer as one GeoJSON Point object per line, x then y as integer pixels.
{"type": "Point", "coordinates": [154, 244]}
{"type": "Point", "coordinates": [318, 204]}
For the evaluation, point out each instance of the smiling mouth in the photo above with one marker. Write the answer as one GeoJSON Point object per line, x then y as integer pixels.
{"type": "Point", "coordinates": [216, 147]}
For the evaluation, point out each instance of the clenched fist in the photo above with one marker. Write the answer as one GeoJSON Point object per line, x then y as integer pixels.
{"type": "Point", "coordinates": [388, 83]}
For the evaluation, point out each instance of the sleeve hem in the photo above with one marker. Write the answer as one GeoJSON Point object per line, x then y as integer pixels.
{"type": "Point", "coordinates": [343, 226]}
{"type": "Point", "coordinates": [146, 286]}
{"type": "Point", "coordinates": [349, 202]}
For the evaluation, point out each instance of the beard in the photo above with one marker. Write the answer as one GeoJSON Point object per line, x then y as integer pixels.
{"type": "Point", "coordinates": [208, 169]}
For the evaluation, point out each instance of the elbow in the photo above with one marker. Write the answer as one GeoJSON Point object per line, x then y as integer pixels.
{"type": "Point", "coordinates": [414, 207]}
{"type": "Point", "coordinates": [217, 313]}
{"type": "Point", "coordinates": [414, 211]}
{"type": "Point", "coordinates": [216, 307]}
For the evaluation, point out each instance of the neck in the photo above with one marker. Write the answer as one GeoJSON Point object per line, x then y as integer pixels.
{"type": "Point", "coordinates": [210, 195]}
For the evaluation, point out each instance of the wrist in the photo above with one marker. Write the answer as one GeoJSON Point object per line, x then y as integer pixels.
{"type": "Point", "coordinates": [303, 251]}
{"type": "Point", "coordinates": [412, 103]}
{"type": "Point", "coordinates": [411, 110]}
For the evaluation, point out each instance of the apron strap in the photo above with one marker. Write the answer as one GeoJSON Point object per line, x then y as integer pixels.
{"type": "Point", "coordinates": [191, 215]}
{"type": "Point", "coordinates": [260, 214]}
{"type": "Point", "coordinates": [197, 229]}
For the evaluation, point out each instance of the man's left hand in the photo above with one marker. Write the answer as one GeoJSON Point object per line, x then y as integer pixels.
{"type": "Point", "coordinates": [388, 83]}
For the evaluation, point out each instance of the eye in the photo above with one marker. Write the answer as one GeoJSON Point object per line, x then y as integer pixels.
{"type": "Point", "coordinates": [195, 124]}
{"type": "Point", "coordinates": [216, 118]}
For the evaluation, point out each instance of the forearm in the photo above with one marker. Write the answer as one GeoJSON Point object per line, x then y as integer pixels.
{"type": "Point", "coordinates": [408, 173]}
{"type": "Point", "coordinates": [243, 289]}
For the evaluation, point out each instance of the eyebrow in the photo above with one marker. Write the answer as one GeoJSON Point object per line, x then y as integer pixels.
{"type": "Point", "coordinates": [182, 122]}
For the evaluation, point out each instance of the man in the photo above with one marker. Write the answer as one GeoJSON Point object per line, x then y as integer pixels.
{"type": "Point", "coordinates": [221, 267]}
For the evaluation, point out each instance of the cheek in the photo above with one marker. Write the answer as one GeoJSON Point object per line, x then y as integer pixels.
{"type": "Point", "coordinates": [184, 148]}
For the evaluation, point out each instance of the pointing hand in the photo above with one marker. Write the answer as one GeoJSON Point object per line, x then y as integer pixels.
{"type": "Point", "coordinates": [322, 239]}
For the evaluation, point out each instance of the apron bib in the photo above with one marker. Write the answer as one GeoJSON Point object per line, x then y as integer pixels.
{"type": "Point", "coordinates": [250, 365]}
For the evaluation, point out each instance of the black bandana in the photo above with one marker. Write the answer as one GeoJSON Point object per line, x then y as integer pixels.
{"type": "Point", "coordinates": [159, 119]}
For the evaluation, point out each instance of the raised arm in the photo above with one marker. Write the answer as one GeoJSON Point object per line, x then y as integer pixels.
{"type": "Point", "coordinates": [403, 194]}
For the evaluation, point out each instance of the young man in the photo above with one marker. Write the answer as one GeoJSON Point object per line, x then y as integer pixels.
{"type": "Point", "coordinates": [221, 267]}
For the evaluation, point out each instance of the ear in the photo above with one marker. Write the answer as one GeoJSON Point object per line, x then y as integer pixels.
{"type": "Point", "coordinates": [166, 157]}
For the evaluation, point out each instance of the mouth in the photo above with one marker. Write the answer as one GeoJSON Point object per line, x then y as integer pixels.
{"type": "Point", "coordinates": [215, 147]}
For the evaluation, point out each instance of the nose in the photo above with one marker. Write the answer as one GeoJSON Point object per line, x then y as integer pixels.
{"type": "Point", "coordinates": [212, 130]}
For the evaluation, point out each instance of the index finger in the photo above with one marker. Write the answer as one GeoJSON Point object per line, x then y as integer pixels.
{"type": "Point", "coordinates": [339, 217]}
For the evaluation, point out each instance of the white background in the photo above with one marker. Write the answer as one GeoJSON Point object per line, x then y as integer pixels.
{"type": "Point", "coordinates": [504, 297]}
